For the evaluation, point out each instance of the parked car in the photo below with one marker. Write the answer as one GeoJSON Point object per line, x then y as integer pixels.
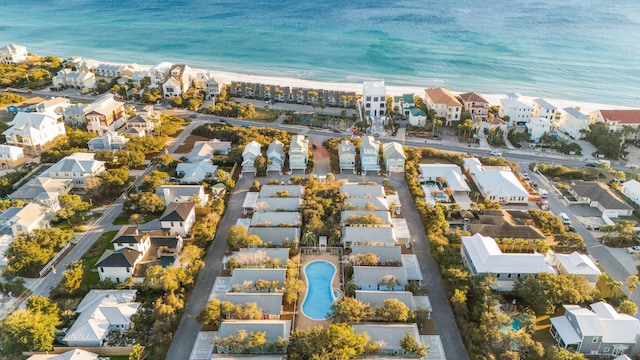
{"type": "Point", "coordinates": [591, 164]}
{"type": "Point", "coordinates": [194, 115]}
{"type": "Point", "coordinates": [495, 153]}
{"type": "Point", "coordinates": [633, 250]}
{"type": "Point", "coordinates": [571, 228]}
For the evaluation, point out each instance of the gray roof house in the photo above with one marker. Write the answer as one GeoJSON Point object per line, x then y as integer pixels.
{"type": "Point", "coordinates": [376, 203]}
{"type": "Point", "coordinates": [275, 156]}
{"type": "Point", "coordinates": [276, 235]}
{"type": "Point", "coordinates": [369, 277]}
{"type": "Point", "coordinates": [370, 153]}
{"type": "Point", "coordinates": [196, 172]}
{"type": "Point", "coordinates": [275, 330]}
{"type": "Point", "coordinates": [240, 276]}
{"type": "Point", "coordinates": [360, 190]}
{"type": "Point", "coordinates": [74, 354]}
{"type": "Point", "coordinates": [298, 152]}
{"type": "Point", "coordinates": [205, 150]}
{"type": "Point", "coordinates": [388, 336]}
{"type": "Point", "coordinates": [350, 215]}
{"type": "Point", "coordinates": [269, 303]}
{"type": "Point", "coordinates": [601, 331]}
{"type": "Point", "coordinates": [44, 191]}
{"type": "Point", "coordinates": [281, 254]}
{"type": "Point", "coordinates": [394, 157]}
{"type": "Point", "coordinates": [277, 204]}
{"type": "Point", "coordinates": [598, 195]}
{"type": "Point", "coordinates": [347, 155]}
{"type": "Point", "coordinates": [276, 219]}
{"type": "Point", "coordinates": [376, 299]}
{"type": "Point", "coordinates": [249, 156]}
{"type": "Point", "coordinates": [368, 236]}
{"type": "Point", "coordinates": [81, 168]}
{"type": "Point", "coordinates": [181, 193]}
{"type": "Point", "coordinates": [273, 190]}
{"type": "Point", "coordinates": [384, 253]}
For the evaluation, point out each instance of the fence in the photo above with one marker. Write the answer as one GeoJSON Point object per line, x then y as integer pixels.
{"type": "Point", "coordinates": [51, 262]}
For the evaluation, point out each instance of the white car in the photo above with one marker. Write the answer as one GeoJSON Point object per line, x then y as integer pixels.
{"type": "Point", "coordinates": [633, 249]}
{"type": "Point", "coordinates": [495, 153]}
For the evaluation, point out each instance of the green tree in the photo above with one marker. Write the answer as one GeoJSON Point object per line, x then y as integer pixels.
{"type": "Point", "coordinates": [546, 291]}
{"type": "Point", "coordinates": [27, 330]}
{"type": "Point", "coordinates": [337, 342]}
{"type": "Point", "coordinates": [153, 180]}
{"type": "Point", "coordinates": [410, 345]}
{"type": "Point", "coordinates": [350, 310]}
{"type": "Point", "coordinates": [28, 253]}
{"type": "Point", "coordinates": [137, 352]}
{"type": "Point", "coordinates": [628, 307]}
{"type": "Point", "coordinates": [564, 354]}
{"type": "Point", "coordinates": [70, 206]}
{"type": "Point", "coordinates": [72, 277]}
{"type": "Point", "coordinates": [393, 310]}
{"type": "Point", "coordinates": [145, 203]}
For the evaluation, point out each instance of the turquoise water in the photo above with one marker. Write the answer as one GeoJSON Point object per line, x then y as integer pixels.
{"type": "Point", "coordinates": [584, 50]}
{"type": "Point", "coordinates": [515, 324]}
{"type": "Point", "coordinates": [320, 296]}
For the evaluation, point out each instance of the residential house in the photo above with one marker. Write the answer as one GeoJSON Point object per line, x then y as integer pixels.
{"type": "Point", "coordinates": [33, 132]}
{"type": "Point", "coordinates": [372, 277]}
{"type": "Point", "coordinates": [74, 116]}
{"type": "Point", "coordinates": [277, 204]}
{"type": "Point", "coordinates": [388, 336]}
{"type": "Point", "coordinates": [388, 255]}
{"type": "Point", "coordinates": [275, 156]}
{"type": "Point", "coordinates": [138, 76]}
{"type": "Point", "coordinates": [537, 127]}
{"type": "Point", "coordinates": [496, 183]}
{"type": "Point", "coordinates": [23, 220]}
{"type": "Point", "coordinates": [276, 219]}
{"type": "Point", "coordinates": [298, 152]}
{"type": "Point", "coordinates": [269, 303]}
{"type": "Point", "coordinates": [196, 173]}
{"type": "Point", "coordinates": [178, 82]}
{"type": "Point", "coordinates": [13, 54]}
{"type": "Point", "coordinates": [506, 223]}
{"type": "Point", "coordinates": [601, 331]}
{"type": "Point", "coordinates": [542, 109]}
{"type": "Point", "coordinates": [450, 173]}
{"type": "Point", "coordinates": [446, 105]}
{"type": "Point", "coordinates": [376, 299]}
{"type": "Point", "coordinates": [275, 331]}
{"type": "Point", "coordinates": [115, 70]}
{"type": "Point", "coordinates": [617, 119]}
{"type": "Point", "coordinates": [374, 97]}
{"type": "Point", "coordinates": [517, 111]}
{"type": "Point", "coordinates": [352, 217]}
{"type": "Point", "coordinates": [205, 150]}
{"type": "Point", "coordinates": [205, 81]}
{"type": "Point", "coordinates": [374, 203]}
{"type": "Point", "coordinates": [178, 218]}
{"type": "Point", "coordinates": [394, 157]}
{"type": "Point", "coordinates": [100, 312]}
{"type": "Point", "coordinates": [81, 168]}
{"type": "Point", "coordinates": [243, 279]}
{"type": "Point", "coordinates": [576, 264]}
{"type": "Point", "coordinates": [133, 132]}
{"type": "Point", "coordinates": [369, 154]}
{"type": "Point", "coordinates": [631, 189]}
{"type": "Point", "coordinates": [416, 117]}
{"type": "Point", "coordinates": [476, 105]}
{"type": "Point", "coordinates": [481, 255]}
{"type": "Point", "coordinates": [159, 74]}
{"type": "Point", "coordinates": [279, 191]}
{"type": "Point", "coordinates": [110, 140]}
{"type": "Point", "coordinates": [600, 196]}
{"type": "Point", "coordinates": [347, 155]}
{"type": "Point", "coordinates": [74, 354]}
{"type": "Point", "coordinates": [407, 107]}
{"type": "Point", "coordinates": [44, 191]}
{"type": "Point", "coordinates": [573, 123]}
{"type": "Point", "coordinates": [255, 256]}
{"type": "Point", "coordinates": [67, 78]}
{"type": "Point", "coordinates": [362, 190]}
{"type": "Point", "coordinates": [276, 235]}
{"type": "Point", "coordinates": [105, 114]}
{"type": "Point", "coordinates": [368, 235]}
{"type": "Point", "coordinates": [251, 152]}
{"type": "Point", "coordinates": [11, 156]}
{"type": "Point", "coordinates": [182, 193]}
{"type": "Point", "coordinates": [54, 107]}
{"type": "Point", "coordinates": [144, 122]}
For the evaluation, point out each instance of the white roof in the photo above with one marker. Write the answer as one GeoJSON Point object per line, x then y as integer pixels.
{"type": "Point", "coordinates": [544, 104]}
{"type": "Point", "coordinates": [565, 330]}
{"type": "Point", "coordinates": [75, 354]}
{"type": "Point", "coordinates": [450, 172]}
{"type": "Point", "coordinates": [575, 113]}
{"type": "Point", "coordinates": [12, 152]}
{"type": "Point", "coordinates": [275, 329]}
{"type": "Point", "coordinates": [362, 190]}
{"type": "Point", "coordinates": [388, 335]}
{"type": "Point", "coordinates": [539, 121]}
{"type": "Point", "coordinates": [5, 242]}
{"type": "Point", "coordinates": [369, 143]}
{"type": "Point", "coordinates": [383, 215]}
{"type": "Point", "coordinates": [617, 327]}
{"type": "Point", "coordinates": [252, 148]}
{"type": "Point", "coordinates": [29, 214]}
{"type": "Point", "coordinates": [269, 303]}
{"type": "Point", "coordinates": [299, 143]}
{"type": "Point", "coordinates": [83, 163]}
{"type": "Point", "coordinates": [376, 298]}
{"type": "Point", "coordinates": [579, 264]}
{"type": "Point", "coordinates": [361, 203]}
{"type": "Point", "coordinates": [170, 192]}
{"type": "Point", "coordinates": [276, 150]}
{"type": "Point", "coordinates": [512, 103]}
{"type": "Point", "coordinates": [196, 172]}
{"type": "Point", "coordinates": [273, 253]}
{"type": "Point", "coordinates": [206, 149]}
{"type": "Point", "coordinates": [486, 257]}
{"type": "Point", "coordinates": [368, 235]}
{"type": "Point", "coordinates": [412, 267]}
{"type": "Point", "coordinates": [368, 277]}
{"type": "Point", "coordinates": [393, 149]}
{"type": "Point", "coordinates": [239, 276]}
{"type": "Point", "coordinates": [280, 204]}
{"type": "Point", "coordinates": [632, 185]}
{"type": "Point", "coordinates": [384, 253]}
{"type": "Point", "coordinates": [276, 235]}
{"type": "Point", "coordinates": [401, 228]}
{"type": "Point", "coordinates": [276, 219]}
{"type": "Point", "coordinates": [272, 190]}
{"type": "Point", "coordinates": [501, 184]}
{"type": "Point", "coordinates": [250, 200]}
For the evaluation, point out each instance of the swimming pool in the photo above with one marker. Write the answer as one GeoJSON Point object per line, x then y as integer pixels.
{"type": "Point", "coordinates": [317, 302]}
{"type": "Point", "coordinates": [515, 324]}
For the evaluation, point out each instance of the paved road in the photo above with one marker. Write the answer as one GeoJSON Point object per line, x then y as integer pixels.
{"type": "Point", "coordinates": [187, 332]}
{"type": "Point", "coordinates": [442, 314]}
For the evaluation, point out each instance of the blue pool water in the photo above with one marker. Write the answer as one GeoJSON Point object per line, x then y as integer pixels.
{"type": "Point", "coordinates": [320, 296]}
{"type": "Point", "coordinates": [515, 324]}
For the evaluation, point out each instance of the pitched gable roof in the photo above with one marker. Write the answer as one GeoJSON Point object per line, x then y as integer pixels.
{"type": "Point", "coordinates": [442, 96]}
{"type": "Point", "coordinates": [621, 116]}
{"type": "Point", "coordinates": [473, 97]}
{"type": "Point", "coordinates": [122, 258]}
{"type": "Point", "coordinates": [177, 211]}
{"type": "Point", "coordinates": [597, 191]}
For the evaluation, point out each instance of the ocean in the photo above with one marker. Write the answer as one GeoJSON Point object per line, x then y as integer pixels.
{"type": "Point", "coordinates": [582, 50]}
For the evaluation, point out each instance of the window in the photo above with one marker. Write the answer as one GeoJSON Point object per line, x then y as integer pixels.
{"type": "Point", "coordinates": [606, 350]}
{"type": "Point", "coordinates": [508, 276]}
{"type": "Point", "coordinates": [498, 276]}
{"type": "Point", "coordinates": [375, 98]}
{"type": "Point", "coordinates": [101, 269]}
{"type": "Point", "coordinates": [128, 270]}
{"type": "Point", "coordinates": [368, 98]}
{"type": "Point", "coordinates": [595, 339]}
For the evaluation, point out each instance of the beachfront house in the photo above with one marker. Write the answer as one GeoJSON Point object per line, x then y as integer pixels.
{"type": "Point", "coordinates": [81, 168]}
{"type": "Point", "coordinates": [178, 82]}
{"type": "Point", "coordinates": [481, 255]}
{"type": "Point", "coordinates": [573, 123]}
{"type": "Point", "coordinates": [100, 312]}
{"type": "Point", "coordinates": [298, 152]}
{"type": "Point", "coordinates": [517, 112]}
{"type": "Point", "coordinates": [67, 78]}
{"type": "Point", "coordinates": [33, 132]}
{"type": "Point", "coordinates": [347, 155]}
{"type": "Point", "coordinates": [631, 189]}
{"type": "Point", "coordinates": [11, 156]}
{"type": "Point", "coordinates": [476, 105]}
{"type": "Point", "coordinates": [13, 54]}
{"type": "Point", "coordinates": [374, 95]}
{"type": "Point", "coordinates": [543, 109]}
{"type": "Point", "coordinates": [496, 183]}
{"type": "Point", "coordinates": [537, 127]}
{"type": "Point", "coordinates": [159, 74]}
{"type": "Point", "coordinates": [394, 157]}
{"type": "Point", "coordinates": [105, 114]}
{"type": "Point", "coordinates": [205, 81]}
{"type": "Point", "coordinates": [617, 119]}
{"type": "Point", "coordinates": [369, 154]}
{"type": "Point", "coordinates": [251, 152]}
{"type": "Point", "coordinates": [446, 105]}
{"type": "Point", "coordinates": [275, 156]}
{"type": "Point", "coordinates": [182, 193]}
{"type": "Point", "coordinates": [599, 331]}
{"type": "Point", "coordinates": [600, 196]}
{"type": "Point", "coordinates": [114, 70]}
{"type": "Point", "coordinates": [178, 218]}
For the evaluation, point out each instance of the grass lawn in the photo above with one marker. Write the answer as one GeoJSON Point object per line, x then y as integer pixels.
{"type": "Point", "coordinates": [91, 257]}
{"type": "Point", "coordinates": [123, 219]}
{"type": "Point", "coordinates": [263, 116]}
{"type": "Point", "coordinates": [608, 289]}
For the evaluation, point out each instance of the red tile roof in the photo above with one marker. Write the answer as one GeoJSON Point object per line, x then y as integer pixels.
{"type": "Point", "coordinates": [473, 96]}
{"type": "Point", "coordinates": [442, 96]}
{"type": "Point", "coordinates": [621, 116]}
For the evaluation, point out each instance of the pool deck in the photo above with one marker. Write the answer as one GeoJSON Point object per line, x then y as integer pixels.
{"type": "Point", "coordinates": [303, 322]}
